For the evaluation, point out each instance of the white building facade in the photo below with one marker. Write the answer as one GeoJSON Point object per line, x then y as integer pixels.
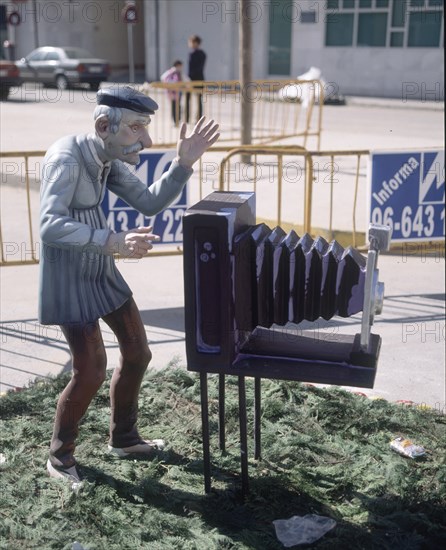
{"type": "Point", "coordinates": [379, 48]}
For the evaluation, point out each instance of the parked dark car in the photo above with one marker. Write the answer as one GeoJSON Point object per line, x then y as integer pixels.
{"type": "Point", "coordinates": [63, 67]}
{"type": "Point", "coordinates": [9, 77]}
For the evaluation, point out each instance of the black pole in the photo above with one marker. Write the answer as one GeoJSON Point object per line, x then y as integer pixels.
{"type": "Point", "coordinates": [257, 416]}
{"type": "Point", "coordinates": [221, 411]}
{"type": "Point", "coordinates": [243, 434]}
{"type": "Point", "coordinates": [36, 31]}
{"type": "Point", "coordinates": [205, 431]}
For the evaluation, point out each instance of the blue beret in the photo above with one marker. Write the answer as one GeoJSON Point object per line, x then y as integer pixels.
{"type": "Point", "coordinates": [126, 97]}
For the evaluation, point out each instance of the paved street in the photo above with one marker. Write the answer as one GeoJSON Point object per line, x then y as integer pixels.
{"type": "Point", "coordinates": [412, 363]}
{"type": "Point", "coordinates": [33, 118]}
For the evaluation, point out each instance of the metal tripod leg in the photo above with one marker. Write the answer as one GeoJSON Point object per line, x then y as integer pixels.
{"type": "Point", "coordinates": [243, 434]}
{"type": "Point", "coordinates": [257, 413]}
{"type": "Point", "coordinates": [221, 411]}
{"type": "Point", "coordinates": [205, 431]}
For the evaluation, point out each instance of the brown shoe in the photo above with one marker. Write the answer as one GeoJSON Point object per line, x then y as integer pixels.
{"type": "Point", "coordinates": [143, 448]}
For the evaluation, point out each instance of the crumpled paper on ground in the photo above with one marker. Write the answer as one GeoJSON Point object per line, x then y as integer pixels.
{"type": "Point", "coordinates": [302, 529]}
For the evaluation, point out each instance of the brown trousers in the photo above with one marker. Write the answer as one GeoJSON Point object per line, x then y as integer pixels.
{"type": "Point", "coordinates": [89, 364]}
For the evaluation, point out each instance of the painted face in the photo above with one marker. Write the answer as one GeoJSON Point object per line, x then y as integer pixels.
{"type": "Point", "coordinates": [131, 138]}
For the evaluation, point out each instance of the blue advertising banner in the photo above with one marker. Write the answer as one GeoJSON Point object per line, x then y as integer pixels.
{"type": "Point", "coordinates": [407, 193]}
{"type": "Point", "coordinates": [168, 223]}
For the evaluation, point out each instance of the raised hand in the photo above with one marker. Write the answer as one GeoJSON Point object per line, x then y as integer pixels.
{"type": "Point", "coordinates": [134, 243]}
{"type": "Point", "coordinates": [190, 149]}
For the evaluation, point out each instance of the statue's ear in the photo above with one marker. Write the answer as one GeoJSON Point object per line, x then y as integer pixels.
{"type": "Point", "coordinates": [102, 126]}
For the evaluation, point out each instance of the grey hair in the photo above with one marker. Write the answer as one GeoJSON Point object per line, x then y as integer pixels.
{"type": "Point", "coordinates": [114, 115]}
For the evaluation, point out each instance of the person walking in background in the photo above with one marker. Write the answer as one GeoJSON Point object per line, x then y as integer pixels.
{"type": "Point", "coordinates": [197, 60]}
{"type": "Point", "coordinates": [173, 75]}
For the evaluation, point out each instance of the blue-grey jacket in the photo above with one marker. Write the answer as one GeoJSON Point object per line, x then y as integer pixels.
{"type": "Point", "coordinates": [79, 282]}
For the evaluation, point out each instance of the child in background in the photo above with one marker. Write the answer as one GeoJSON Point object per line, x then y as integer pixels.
{"type": "Point", "coordinates": [174, 74]}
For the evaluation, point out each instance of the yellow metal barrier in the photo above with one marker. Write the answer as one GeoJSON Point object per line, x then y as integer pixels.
{"type": "Point", "coordinates": [19, 172]}
{"type": "Point", "coordinates": [311, 184]}
{"type": "Point", "coordinates": [313, 175]}
{"type": "Point", "coordinates": [19, 208]}
{"type": "Point", "coordinates": [22, 245]}
{"type": "Point", "coordinates": [281, 108]}
{"type": "Point", "coordinates": [335, 166]}
{"type": "Point", "coordinates": [279, 152]}
{"type": "Point", "coordinates": [328, 185]}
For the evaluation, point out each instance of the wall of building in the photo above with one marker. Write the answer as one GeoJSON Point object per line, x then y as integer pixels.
{"type": "Point", "coordinates": [381, 72]}
{"type": "Point", "coordinates": [176, 20]}
{"type": "Point", "coordinates": [378, 72]}
{"type": "Point", "coordinates": [368, 71]}
{"type": "Point", "coordinates": [164, 26]}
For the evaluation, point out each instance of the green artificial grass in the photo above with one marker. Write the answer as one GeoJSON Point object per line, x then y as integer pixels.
{"type": "Point", "coordinates": [325, 451]}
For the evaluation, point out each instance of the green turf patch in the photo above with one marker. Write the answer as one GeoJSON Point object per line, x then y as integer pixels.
{"type": "Point", "coordinates": [324, 452]}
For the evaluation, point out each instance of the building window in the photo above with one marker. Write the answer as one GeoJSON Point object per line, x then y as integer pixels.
{"type": "Point", "coordinates": [397, 40]}
{"type": "Point", "coordinates": [308, 17]}
{"type": "Point", "coordinates": [384, 23]}
{"type": "Point", "coordinates": [372, 29]}
{"type": "Point", "coordinates": [399, 13]}
{"type": "Point", "coordinates": [279, 50]}
{"type": "Point", "coordinates": [339, 30]}
{"type": "Point", "coordinates": [424, 29]}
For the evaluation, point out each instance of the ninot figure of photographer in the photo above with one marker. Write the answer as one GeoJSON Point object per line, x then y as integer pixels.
{"type": "Point", "coordinates": [79, 281]}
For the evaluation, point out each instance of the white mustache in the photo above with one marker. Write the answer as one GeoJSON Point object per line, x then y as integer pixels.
{"type": "Point", "coordinates": [135, 148]}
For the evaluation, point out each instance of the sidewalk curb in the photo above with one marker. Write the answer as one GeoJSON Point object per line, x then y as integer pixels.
{"type": "Point", "coordinates": [395, 103]}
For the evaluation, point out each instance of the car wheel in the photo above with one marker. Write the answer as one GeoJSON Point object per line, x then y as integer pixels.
{"type": "Point", "coordinates": [94, 86]}
{"type": "Point", "coordinates": [61, 82]}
